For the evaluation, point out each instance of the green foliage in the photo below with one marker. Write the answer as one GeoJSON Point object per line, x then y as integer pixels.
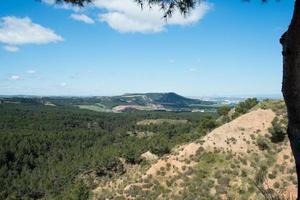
{"type": "Point", "coordinates": [261, 174]}
{"type": "Point", "coordinates": [267, 193]}
{"type": "Point", "coordinates": [245, 106]}
{"type": "Point", "coordinates": [278, 106]}
{"type": "Point", "coordinates": [169, 6]}
{"type": "Point", "coordinates": [160, 146]}
{"type": "Point", "coordinates": [77, 191]}
{"type": "Point", "coordinates": [43, 149]}
{"type": "Point", "coordinates": [278, 131]}
{"type": "Point", "coordinates": [109, 165]}
{"type": "Point", "coordinates": [208, 123]}
{"type": "Point", "coordinates": [262, 143]}
{"type": "Point", "coordinates": [75, 2]}
{"type": "Point", "coordinates": [223, 110]}
{"type": "Point", "coordinates": [209, 170]}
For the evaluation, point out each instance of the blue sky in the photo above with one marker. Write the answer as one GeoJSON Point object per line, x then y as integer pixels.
{"type": "Point", "coordinates": [223, 48]}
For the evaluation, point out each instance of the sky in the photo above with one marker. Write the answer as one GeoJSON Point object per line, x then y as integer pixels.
{"type": "Point", "coordinates": [111, 47]}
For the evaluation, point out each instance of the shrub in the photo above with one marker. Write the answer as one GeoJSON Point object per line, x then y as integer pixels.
{"type": "Point", "coordinates": [224, 181]}
{"type": "Point", "coordinates": [244, 173]}
{"type": "Point", "coordinates": [245, 106]}
{"type": "Point", "coordinates": [109, 166]}
{"type": "Point", "coordinates": [272, 176]}
{"type": "Point", "coordinates": [160, 146]}
{"type": "Point", "coordinates": [262, 143]}
{"type": "Point", "coordinates": [277, 131]}
{"type": "Point", "coordinates": [223, 110]}
{"type": "Point", "coordinates": [261, 175]}
{"type": "Point", "coordinates": [208, 123]}
{"type": "Point", "coordinates": [276, 185]}
{"type": "Point", "coordinates": [78, 191]}
{"type": "Point", "coordinates": [131, 156]}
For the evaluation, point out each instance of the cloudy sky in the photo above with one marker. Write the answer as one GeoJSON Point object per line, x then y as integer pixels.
{"type": "Point", "coordinates": [113, 47]}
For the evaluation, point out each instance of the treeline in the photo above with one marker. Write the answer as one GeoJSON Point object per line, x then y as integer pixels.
{"type": "Point", "coordinates": [229, 113]}
{"type": "Point", "coordinates": [43, 149]}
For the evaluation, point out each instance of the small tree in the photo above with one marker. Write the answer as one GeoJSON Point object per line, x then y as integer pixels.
{"type": "Point", "coordinates": [277, 131]}
{"type": "Point", "coordinates": [262, 143]}
{"type": "Point", "coordinates": [208, 123]}
{"type": "Point", "coordinates": [223, 110]}
{"type": "Point", "coordinates": [160, 146]}
{"type": "Point", "coordinates": [245, 106]}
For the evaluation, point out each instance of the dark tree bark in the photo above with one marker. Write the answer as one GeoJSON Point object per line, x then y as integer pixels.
{"type": "Point", "coordinates": [291, 83]}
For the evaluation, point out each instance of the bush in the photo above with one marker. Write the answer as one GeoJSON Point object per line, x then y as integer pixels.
{"type": "Point", "coordinates": [224, 181]}
{"type": "Point", "coordinates": [160, 146]}
{"type": "Point", "coordinates": [277, 131]}
{"type": "Point", "coordinates": [276, 185]}
{"type": "Point", "coordinates": [245, 106]}
{"type": "Point", "coordinates": [208, 123]}
{"type": "Point", "coordinates": [109, 166]}
{"type": "Point", "coordinates": [78, 191]}
{"type": "Point", "coordinates": [131, 156]}
{"type": "Point", "coordinates": [262, 143]}
{"type": "Point", "coordinates": [223, 110]}
{"type": "Point", "coordinates": [260, 176]}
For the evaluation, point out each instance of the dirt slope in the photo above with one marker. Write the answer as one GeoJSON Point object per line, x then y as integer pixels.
{"type": "Point", "coordinates": [222, 165]}
{"type": "Point", "coordinates": [235, 136]}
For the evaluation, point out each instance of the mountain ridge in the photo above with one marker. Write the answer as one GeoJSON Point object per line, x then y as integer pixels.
{"type": "Point", "coordinates": [169, 101]}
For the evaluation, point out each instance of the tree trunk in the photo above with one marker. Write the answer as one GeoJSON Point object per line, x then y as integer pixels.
{"type": "Point", "coordinates": [291, 84]}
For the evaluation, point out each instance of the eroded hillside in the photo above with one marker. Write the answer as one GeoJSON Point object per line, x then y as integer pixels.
{"type": "Point", "coordinates": [238, 160]}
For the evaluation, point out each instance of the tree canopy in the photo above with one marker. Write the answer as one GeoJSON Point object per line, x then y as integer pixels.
{"type": "Point", "coordinates": [168, 6]}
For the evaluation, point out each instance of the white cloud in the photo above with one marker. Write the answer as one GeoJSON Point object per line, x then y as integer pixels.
{"type": "Point", "coordinates": [14, 78]}
{"type": "Point", "coordinates": [63, 84]}
{"type": "Point", "coordinates": [127, 16]}
{"type": "Point", "coordinates": [31, 71]}
{"type": "Point", "coordinates": [82, 18]}
{"type": "Point", "coordinates": [11, 48]}
{"type": "Point", "coordinates": [66, 6]}
{"type": "Point", "coordinates": [20, 31]}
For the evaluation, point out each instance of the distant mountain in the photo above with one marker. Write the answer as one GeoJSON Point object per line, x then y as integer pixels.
{"type": "Point", "coordinates": [175, 99]}
{"type": "Point", "coordinates": [122, 103]}
{"type": "Point", "coordinates": [166, 99]}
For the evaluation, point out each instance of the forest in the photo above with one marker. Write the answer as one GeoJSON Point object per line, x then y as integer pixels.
{"type": "Point", "coordinates": [44, 149]}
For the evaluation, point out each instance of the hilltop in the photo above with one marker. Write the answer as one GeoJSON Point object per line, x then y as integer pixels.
{"type": "Point", "coordinates": [159, 101]}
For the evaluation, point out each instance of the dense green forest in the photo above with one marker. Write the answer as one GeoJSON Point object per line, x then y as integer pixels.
{"type": "Point", "coordinates": [44, 149]}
